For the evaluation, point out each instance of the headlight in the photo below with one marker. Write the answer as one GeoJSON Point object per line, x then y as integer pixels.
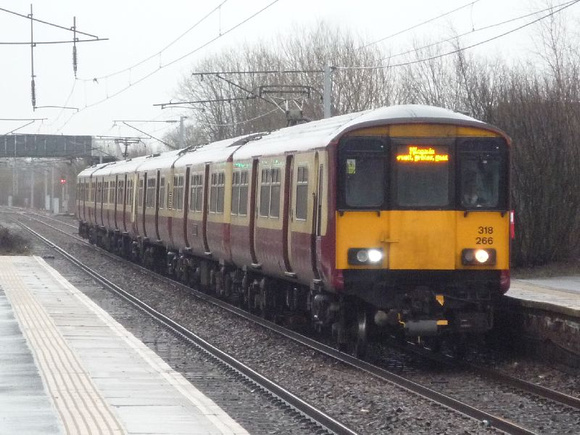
{"type": "Point", "coordinates": [365, 256]}
{"type": "Point", "coordinates": [478, 257]}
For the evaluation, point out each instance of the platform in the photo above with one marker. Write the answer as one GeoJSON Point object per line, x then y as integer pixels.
{"type": "Point", "coordinates": [67, 367]}
{"type": "Point", "coordinates": [558, 294]}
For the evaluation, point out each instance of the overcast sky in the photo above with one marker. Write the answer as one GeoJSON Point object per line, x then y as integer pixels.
{"type": "Point", "coordinates": [137, 30]}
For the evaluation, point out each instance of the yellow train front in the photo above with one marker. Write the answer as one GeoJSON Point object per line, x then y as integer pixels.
{"type": "Point", "coordinates": [422, 223]}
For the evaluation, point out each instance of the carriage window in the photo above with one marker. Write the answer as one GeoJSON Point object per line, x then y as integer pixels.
{"type": "Point", "coordinates": [162, 192]}
{"type": "Point", "coordinates": [240, 193]}
{"type": "Point", "coordinates": [150, 194]}
{"type": "Point", "coordinates": [422, 176]}
{"type": "Point", "coordinates": [112, 192]}
{"type": "Point", "coordinates": [275, 194]}
{"type": "Point", "coordinates": [270, 193]}
{"type": "Point", "coordinates": [120, 190]}
{"type": "Point", "coordinates": [196, 192]}
{"type": "Point", "coordinates": [129, 195]}
{"type": "Point", "coordinates": [265, 192]}
{"type": "Point", "coordinates": [302, 193]}
{"type": "Point", "coordinates": [221, 192]}
{"type": "Point", "coordinates": [178, 192]}
{"type": "Point", "coordinates": [216, 200]}
{"type": "Point", "coordinates": [140, 193]}
{"type": "Point", "coordinates": [243, 210]}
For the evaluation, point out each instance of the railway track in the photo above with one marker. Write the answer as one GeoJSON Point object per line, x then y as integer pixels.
{"type": "Point", "coordinates": [488, 380]}
{"type": "Point", "coordinates": [283, 396]}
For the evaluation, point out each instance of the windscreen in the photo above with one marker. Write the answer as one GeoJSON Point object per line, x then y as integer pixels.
{"type": "Point", "coordinates": [364, 181]}
{"type": "Point", "coordinates": [363, 173]}
{"type": "Point", "coordinates": [421, 176]}
{"type": "Point", "coordinates": [481, 175]}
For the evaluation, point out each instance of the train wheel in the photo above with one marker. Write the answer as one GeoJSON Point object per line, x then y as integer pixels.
{"type": "Point", "coordinates": [266, 298]}
{"type": "Point", "coordinates": [432, 343]}
{"type": "Point", "coordinates": [340, 328]}
{"type": "Point", "coordinates": [459, 346]}
{"type": "Point", "coordinates": [360, 336]}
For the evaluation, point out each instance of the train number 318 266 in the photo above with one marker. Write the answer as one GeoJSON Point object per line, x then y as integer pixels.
{"type": "Point", "coordinates": [484, 240]}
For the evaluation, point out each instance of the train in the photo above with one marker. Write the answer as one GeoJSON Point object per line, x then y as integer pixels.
{"type": "Point", "coordinates": [393, 219]}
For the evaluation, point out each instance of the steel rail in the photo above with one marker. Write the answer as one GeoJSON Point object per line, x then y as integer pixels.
{"type": "Point", "coordinates": [315, 415]}
{"type": "Point", "coordinates": [400, 381]}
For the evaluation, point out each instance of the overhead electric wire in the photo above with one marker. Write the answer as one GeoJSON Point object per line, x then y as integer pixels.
{"type": "Point", "coordinates": [162, 50]}
{"type": "Point", "coordinates": [224, 33]}
{"type": "Point", "coordinates": [65, 104]}
{"type": "Point", "coordinates": [418, 25]}
{"type": "Point", "coordinates": [268, 71]}
{"type": "Point", "coordinates": [28, 17]}
{"type": "Point", "coordinates": [182, 57]}
{"type": "Point", "coordinates": [53, 42]}
{"type": "Point", "coordinates": [233, 124]}
{"type": "Point", "coordinates": [175, 60]}
{"type": "Point", "coordinates": [471, 32]}
{"type": "Point", "coordinates": [458, 50]}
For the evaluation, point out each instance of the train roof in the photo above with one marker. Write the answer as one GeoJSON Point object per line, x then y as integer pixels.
{"type": "Point", "coordinates": [303, 137]}
{"type": "Point", "coordinates": [312, 135]}
{"type": "Point", "coordinates": [319, 134]}
{"type": "Point", "coordinates": [120, 166]}
{"type": "Point", "coordinates": [415, 113]}
{"type": "Point", "coordinates": [155, 161]}
{"type": "Point", "coordinates": [219, 151]}
{"type": "Point", "coordinates": [87, 172]}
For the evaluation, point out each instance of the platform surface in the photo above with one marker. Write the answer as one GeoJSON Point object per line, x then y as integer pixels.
{"type": "Point", "coordinates": [558, 294]}
{"type": "Point", "coordinates": [67, 367]}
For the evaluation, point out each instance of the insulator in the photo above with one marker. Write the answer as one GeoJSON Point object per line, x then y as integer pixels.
{"type": "Point", "coordinates": [33, 93]}
{"type": "Point", "coordinates": [75, 60]}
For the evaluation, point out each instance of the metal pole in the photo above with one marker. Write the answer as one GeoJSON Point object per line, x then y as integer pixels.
{"type": "Point", "coordinates": [46, 189]}
{"type": "Point", "coordinates": [327, 95]}
{"type": "Point", "coordinates": [182, 131]}
{"type": "Point", "coordinates": [52, 189]}
{"type": "Point", "coordinates": [32, 83]}
{"type": "Point", "coordinates": [32, 187]}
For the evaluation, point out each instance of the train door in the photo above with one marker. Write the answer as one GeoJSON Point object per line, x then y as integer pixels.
{"type": "Point", "coordinates": [127, 195]}
{"type": "Point", "coordinates": [143, 204]}
{"type": "Point", "coordinates": [205, 207]}
{"type": "Point", "coordinates": [110, 201]}
{"type": "Point", "coordinates": [116, 203]}
{"type": "Point", "coordinates": [305, 191]}
{"type": "Point", "coordinates": [135, 203]}
{"type": "Point", "coordinates": [101, 195]}
{"type": "Point", "coordinates": [80, 202]}
{"type": "Point", "coordinates": [317, 215]}
{"type": "Point", "coordinates": [92, 201]}
{"type": "Point", "coordinates": [156, 203]}
{"type": "Point", "coordinates": [287, 216]}
{"type": "Point", "coordinates": [253, 211]}
{"type": "Point", "coordinates": [186, 198]}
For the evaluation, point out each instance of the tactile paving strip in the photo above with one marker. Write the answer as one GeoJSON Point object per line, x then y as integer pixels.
{"type": "Point", "coordinates": [81, 408]}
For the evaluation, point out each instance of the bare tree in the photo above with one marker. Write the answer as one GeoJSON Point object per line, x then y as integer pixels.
{"type": "Point", "coordinates": [539, 107]}
{"type": "Point", "coordinates": [235, 104]}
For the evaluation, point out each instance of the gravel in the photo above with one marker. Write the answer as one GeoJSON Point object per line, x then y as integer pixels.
{"type": "Point", "coordinates": [358, 400]}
